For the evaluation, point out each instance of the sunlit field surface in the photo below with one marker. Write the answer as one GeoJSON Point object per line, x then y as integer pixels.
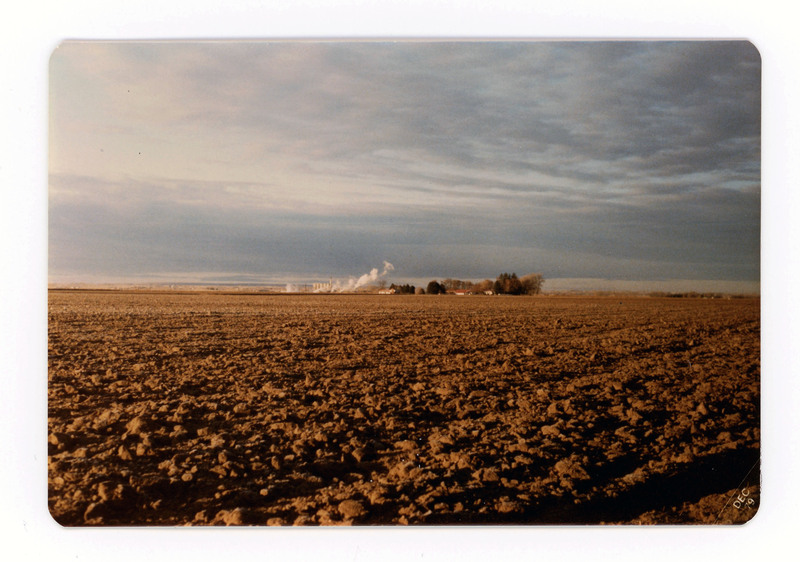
{"type": "Point", "coordinates": [204, 408]}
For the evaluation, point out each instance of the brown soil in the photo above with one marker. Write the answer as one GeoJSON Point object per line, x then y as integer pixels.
{"type": "Point", "coordinates": [223, 409]}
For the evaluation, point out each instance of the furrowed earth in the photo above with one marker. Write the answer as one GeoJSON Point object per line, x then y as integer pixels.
{"type": "Point", "coordinates": [204, 408]}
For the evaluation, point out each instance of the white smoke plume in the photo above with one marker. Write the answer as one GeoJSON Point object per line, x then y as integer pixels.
{"type": "Point", "coordinates": [354, 283]}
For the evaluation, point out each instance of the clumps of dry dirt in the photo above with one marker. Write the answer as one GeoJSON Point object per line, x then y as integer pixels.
{"type": "Point", "coordinates": [209, 409]}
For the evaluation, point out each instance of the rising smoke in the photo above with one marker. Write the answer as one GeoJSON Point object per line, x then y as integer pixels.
{"type": "Point", "coordinates": [354, 283]}
{"type": "Point", "coordinates": [339, 286]}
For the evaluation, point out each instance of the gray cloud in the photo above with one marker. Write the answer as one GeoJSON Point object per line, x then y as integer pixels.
{"type": "Point", "coordinates": [307, 156]}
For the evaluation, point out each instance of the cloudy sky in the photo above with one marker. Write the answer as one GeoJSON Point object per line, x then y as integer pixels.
{"type": "Point", "coordinates": [279, 162]}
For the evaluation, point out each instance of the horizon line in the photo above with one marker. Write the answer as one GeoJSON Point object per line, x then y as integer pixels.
{"type": "Point", "coordinates": [551, 285]}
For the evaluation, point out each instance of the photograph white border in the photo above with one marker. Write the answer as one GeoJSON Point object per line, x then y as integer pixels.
{"type": "Point", "coordinates": [32, 30]}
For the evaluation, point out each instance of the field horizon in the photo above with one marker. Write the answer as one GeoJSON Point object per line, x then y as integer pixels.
{"type": "Point", "coordinates": [557, 286]}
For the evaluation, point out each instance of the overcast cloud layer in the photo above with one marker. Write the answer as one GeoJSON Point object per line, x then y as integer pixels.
{"type": "Point", "coordinates": [300, 161]}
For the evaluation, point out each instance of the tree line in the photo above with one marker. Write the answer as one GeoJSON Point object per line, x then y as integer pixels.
{"type": "Point", "coordinates": [403, 289]}
{"type": "Point", "coordinates": [505, 284]}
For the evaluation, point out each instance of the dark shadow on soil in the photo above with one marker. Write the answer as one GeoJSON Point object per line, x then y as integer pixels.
{"type": "Point", "coordinates": [709, 475]}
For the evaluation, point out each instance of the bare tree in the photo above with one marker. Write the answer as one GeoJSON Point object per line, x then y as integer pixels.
{"type": "Point", "coordinates": [532, 283]}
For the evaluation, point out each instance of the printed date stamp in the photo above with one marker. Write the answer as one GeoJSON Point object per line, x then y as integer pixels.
{"type": "Point", "coordinates": [743, 503]}
{"type": "Point", "coordinates": [744, 500]}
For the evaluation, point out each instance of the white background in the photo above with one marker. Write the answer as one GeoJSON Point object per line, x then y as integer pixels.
{"type": "Point", "coordinates": [30, 31]}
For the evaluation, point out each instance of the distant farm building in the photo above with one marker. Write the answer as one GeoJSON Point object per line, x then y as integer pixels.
{"type": "Point", "coordinates": [386, 292]}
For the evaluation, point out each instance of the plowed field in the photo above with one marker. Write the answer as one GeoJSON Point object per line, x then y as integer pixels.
{"type": "Point", "coordinates": [232, 409]}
